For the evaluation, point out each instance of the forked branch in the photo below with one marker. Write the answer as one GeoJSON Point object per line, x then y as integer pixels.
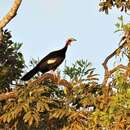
{"type": "Point", "coordinates": [108, 72]}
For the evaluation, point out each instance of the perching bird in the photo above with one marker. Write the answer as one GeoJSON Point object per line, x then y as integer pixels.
{"type": "Point", "coordinates": [49, 62]}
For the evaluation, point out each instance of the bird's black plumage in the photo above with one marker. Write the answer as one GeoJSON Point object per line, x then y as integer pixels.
{"type": "Point", "coordinates": [49, 62]}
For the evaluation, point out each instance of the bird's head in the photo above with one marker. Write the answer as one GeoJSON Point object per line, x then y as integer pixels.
{"type": "Point", "coordinates": [69, 41]}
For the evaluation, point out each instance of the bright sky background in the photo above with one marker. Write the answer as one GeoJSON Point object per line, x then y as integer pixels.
{"type": "Point", "coordinates": [44, 26]}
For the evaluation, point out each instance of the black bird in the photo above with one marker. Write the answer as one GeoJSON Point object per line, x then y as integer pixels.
{"type": "Point", "coordinates": [49, 62]}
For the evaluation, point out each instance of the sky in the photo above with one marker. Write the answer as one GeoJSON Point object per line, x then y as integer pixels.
{"type": "Point", "coordinates": [44, 25]}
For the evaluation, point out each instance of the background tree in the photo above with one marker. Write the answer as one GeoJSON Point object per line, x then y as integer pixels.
{"type": "Point", "coordinates": [11, 62]}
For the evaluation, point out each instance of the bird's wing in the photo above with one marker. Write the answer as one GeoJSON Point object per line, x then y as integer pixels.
{"type": "Point", "coordinates": [50, 62]}
{"type": "Point", "coordinates": [45, 58]}
{"type": "Point", "coordinates": [56, 60]}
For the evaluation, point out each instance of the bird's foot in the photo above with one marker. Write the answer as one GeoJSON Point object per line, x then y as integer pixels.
{"type": "Point", "coordinates": [53, 73]}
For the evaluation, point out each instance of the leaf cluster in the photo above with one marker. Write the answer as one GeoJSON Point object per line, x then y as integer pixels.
{"type": "Point", "coordinates": [11, 61]}
{"type": "Point", "coordinates": [81, 70]}
{"type": "Point", "coordinates": [122, 5]}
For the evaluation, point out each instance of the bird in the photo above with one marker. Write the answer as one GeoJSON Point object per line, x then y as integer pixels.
{"type": "Point", "coordinates": [50, 61]}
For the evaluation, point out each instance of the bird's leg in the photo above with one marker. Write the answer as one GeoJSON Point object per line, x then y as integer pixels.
{"type": "Point", "coordinates": [53, 73]}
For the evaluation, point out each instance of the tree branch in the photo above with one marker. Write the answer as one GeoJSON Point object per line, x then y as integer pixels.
{"type": "Point", "coordinates": [11, 14]}
{"type": "Point", "coordinates": [107, 72]}
{"type": "Point", "coordinates": [46, 76]}
{"type": "Point", "coordinates": [118, 67]}
{"type": "Point", "coordinates": [5, 96]}
{"type": "Point", "coordinates": [55, 79]}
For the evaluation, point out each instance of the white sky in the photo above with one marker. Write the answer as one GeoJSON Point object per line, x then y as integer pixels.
{"type": "Point", "coordinates": [44, 26]}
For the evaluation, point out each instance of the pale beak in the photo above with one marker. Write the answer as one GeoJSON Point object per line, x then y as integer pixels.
{"type": "Point", "coordinates": [74, 40]}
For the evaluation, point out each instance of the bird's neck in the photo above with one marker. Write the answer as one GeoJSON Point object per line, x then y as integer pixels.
{"type": "Point", "coordinates": [65, 48]}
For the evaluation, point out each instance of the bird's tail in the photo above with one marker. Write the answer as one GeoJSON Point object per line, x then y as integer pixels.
{"type": "Point", "coordinates": [30, 74]}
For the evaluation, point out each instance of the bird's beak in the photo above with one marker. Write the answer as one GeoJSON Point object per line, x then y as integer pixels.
{"type": "Point", "coordinates": [74, 39]}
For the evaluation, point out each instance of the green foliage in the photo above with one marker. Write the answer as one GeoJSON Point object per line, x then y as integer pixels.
{"type": "Point", "coordinates": [120, 24]}
{"type": "Point", "coordinates": [11, 61]}
{"type": "Point", "coordinates": [34, 62]}
{"type": "Point", "coordinates": [81, 71]}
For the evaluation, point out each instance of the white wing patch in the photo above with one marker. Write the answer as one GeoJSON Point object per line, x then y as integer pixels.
{"type": "Point", "coordinates": [51, 61]}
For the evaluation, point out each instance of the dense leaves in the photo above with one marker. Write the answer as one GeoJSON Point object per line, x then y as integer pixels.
{"type": "Point", "coordinates": [53, 103]}
{"type": "Point", "coordinates": [46, 103]}
{"type": "Point", "coordinates": [11, 61]}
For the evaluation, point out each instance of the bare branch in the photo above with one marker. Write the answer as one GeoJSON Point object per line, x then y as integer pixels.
{"type": "Point", "coordinates": [43, 78]}
{"type": "Point", "coordinates": [8, 17]}
{"type": "Point", "coordinates": [5, 96]}
{"type": "Point", "coordinates": [11, 14]}
{"type": "Point", "coordinates": [55, 79]}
